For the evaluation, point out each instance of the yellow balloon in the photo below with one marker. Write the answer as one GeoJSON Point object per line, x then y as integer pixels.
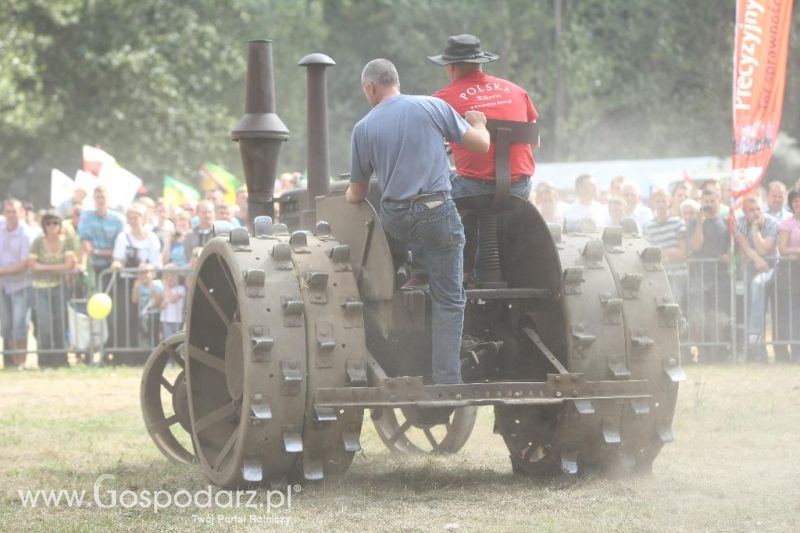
{"type": "Point", "coordinates": [99, 306]}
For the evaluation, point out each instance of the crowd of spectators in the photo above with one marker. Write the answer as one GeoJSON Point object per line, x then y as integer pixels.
{"type": "Point", "coordinates": [48, 258]}
{"type": "Point", "coordinates": [141, 258]}
{"type": "Point", "coordinates": [690, 224]}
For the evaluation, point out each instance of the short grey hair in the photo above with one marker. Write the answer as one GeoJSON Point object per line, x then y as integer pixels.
{"type": "Point", "coordinates": [380, 72]}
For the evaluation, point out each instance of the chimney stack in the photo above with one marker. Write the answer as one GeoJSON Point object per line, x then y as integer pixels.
{"type": "Point", "coordinates": [317, 131]}
{"type": "Point", "coordinates": [260, 132]}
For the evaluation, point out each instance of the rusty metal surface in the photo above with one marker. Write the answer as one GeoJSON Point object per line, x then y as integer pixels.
{"type": "Point", "coordinates": [335, 347]}
{"type": "Point", "coordinates": [358, 226]}
{"type": "Point", "coordinates": [318, 167]}
{"type": "Point", "coordinates": [163, 429]}
{"type": "Point", "coordinates": [246, 362]}
{"type": "Point", "coordinates": [612, 291]}
{"type": "Point", "coordinates": [559, 388]}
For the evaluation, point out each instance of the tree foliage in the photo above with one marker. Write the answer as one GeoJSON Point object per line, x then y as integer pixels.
{"type": "Point", "coordinates": [159, 84]}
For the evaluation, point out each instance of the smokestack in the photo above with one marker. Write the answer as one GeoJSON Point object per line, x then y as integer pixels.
{"type": "Point", "coordinates": [260, 131]}
{"type": "Point", "coordinates": [317, 117]}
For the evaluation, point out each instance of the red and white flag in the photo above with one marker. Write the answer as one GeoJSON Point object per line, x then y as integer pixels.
{"type": "Point", "coordinates": [759, 77]}
{"type": "Point", "coordinates": [94, 159]}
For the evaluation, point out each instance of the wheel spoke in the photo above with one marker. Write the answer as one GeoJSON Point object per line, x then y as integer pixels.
{"type": "Point", "coordinates": [165, 423]}
{"type": "Point", "coordinates": [175, 356]}
{"type": "Point", "coordinates": [430, 438]}
{"type": "Point", "coordinates": [167, 385]}
{"type": "Point", "coordinates": [226, 275]}
{"type": "Point", "coordinates": [215, 416]}
{"type": "Point", "coordinates": [225, 451]}
{"type": "Point", "coordinates": [214, 303]}
{"type": "Point", "coordinates": [400, 431]}
{"type": "Point", "coordinates": [206, 358]}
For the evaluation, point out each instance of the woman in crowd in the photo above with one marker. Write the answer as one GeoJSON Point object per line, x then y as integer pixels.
{"type": "Point", "coordinates": [134, 246]}
{"type": "Point", "coordinates": [173, 245]}
{"type": "Point", "coordinates": [51, 256]}
{"type": "Point", "coordinates": [788, 279]}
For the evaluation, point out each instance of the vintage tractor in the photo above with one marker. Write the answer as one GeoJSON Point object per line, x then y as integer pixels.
{"type": "Point", "coordinates": [290, 336]}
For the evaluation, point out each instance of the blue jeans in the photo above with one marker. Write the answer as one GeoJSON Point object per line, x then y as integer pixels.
{"type": "Point", "coordinates": [759, 282]}
{"type": "Point", "coordinates": [437, 232]}
{"type": "Point", "coordinates": [14, 315]}
{"type": "Point", "coordinates": [470, 187]}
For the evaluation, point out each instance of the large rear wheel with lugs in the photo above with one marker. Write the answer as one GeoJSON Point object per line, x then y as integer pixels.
{"type": "Point", "coordinates": [272, 318]}
{"type": "Point", "coordinates": [620, 323]}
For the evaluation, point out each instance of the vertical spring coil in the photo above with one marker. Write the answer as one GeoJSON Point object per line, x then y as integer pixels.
{"type": "Point", "coordinates": [489, 248]}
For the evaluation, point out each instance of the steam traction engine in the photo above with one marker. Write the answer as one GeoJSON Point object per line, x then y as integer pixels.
{"type": "Point", "coordinates": [290, 336]}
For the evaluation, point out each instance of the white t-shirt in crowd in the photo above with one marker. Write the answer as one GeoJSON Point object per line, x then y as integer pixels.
{"type": "Point", "coordinates": [148, 249]}
{"type": "Point", "coordinates": [596, 212]}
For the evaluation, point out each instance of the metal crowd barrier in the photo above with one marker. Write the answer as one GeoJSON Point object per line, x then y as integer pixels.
{"type": "Point", "coordinates": [711, 310]}
{"type": "Point", "coordinates": [132, 335]}
{"type": "Point", "coordinates": [61, 325]}
{"type": "Point", "coordinates": [775, 293]}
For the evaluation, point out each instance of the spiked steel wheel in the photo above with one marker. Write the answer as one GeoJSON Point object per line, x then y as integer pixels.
{"type": "Point", "coordinates": [622, 325]}
{"type": "Point", "coordinates": [155, 388]}
{"type": "Point", "coordinates": [268, 318]}
{"type": "Point", "coordinates": [414, 435]}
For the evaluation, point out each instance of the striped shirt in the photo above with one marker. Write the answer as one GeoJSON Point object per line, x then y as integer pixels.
{"type": "Point", "coordinates": [102, 232]}
{"type": "Point", "coordinates": [768, 230]}
{"type": "Point", "coordinates": [665, 234]}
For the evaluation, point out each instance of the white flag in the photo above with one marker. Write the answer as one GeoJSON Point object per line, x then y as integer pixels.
{"type": "Point", "coordinates": [61, 187]}
{"type": "Point", "coordinates": [122, 185]}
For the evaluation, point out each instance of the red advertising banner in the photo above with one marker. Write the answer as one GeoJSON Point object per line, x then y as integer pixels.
{"type": "Point", "coordinates": [759, 77]}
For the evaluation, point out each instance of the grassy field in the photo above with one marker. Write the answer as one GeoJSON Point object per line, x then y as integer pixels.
{"type": "Point", "coordinates": [735, 466]}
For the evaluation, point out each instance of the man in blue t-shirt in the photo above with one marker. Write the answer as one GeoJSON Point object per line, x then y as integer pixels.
{"type": "Point", "coordinates": [400, 140]}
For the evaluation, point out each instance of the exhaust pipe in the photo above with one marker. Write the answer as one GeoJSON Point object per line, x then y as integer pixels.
{"type": "Point", "coordinates": [318, 164]}
{"type": "Point", "coordinates": [260, 132]}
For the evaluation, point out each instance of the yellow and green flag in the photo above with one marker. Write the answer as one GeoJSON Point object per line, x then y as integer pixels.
{"type": "Point", "coordinates": [215, 177]}
{"type": "Point", "coordinates": [178, 193]}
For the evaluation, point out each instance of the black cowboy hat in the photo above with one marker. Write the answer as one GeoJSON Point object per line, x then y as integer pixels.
{"type": "Point", "coordinates": [464, 48]}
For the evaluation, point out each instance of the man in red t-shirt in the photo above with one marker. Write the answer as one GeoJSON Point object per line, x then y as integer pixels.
{"type": "Point", "coordinates": [472, 89]}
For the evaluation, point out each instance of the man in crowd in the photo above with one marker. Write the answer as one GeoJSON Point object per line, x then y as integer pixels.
{"type": "Point", "coordinates": [633, 203]}
{"type": "Point", "coordinates": [668, 232]}
{"type": "Point", "coordinates": [709, 277]}
{"type": "Point", "coordinates": [585, 208]}
{"type": "Point", "coordinates": [201, 233]}
{"type": "Point", "coordinates": [78, 195]}
{"type": "Point", "coordinates": [776, 201]}
{"type": "Point", "coordinates": [400, 139]}
{"type": "Point", "coordinates": [616, 215]}
{"type": "Point", "coordinates": [546, 200]}
{"type": "Point", "coordinates": [15, 283]}
{"type": "Point", "coordinates": [756, 238]}
{"type": "Point", "coordinates": [680, 192]}
{"type": "Point", "coordinates": [98, 230]}
{"type": "Point", "coordinates": [471, 89]}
